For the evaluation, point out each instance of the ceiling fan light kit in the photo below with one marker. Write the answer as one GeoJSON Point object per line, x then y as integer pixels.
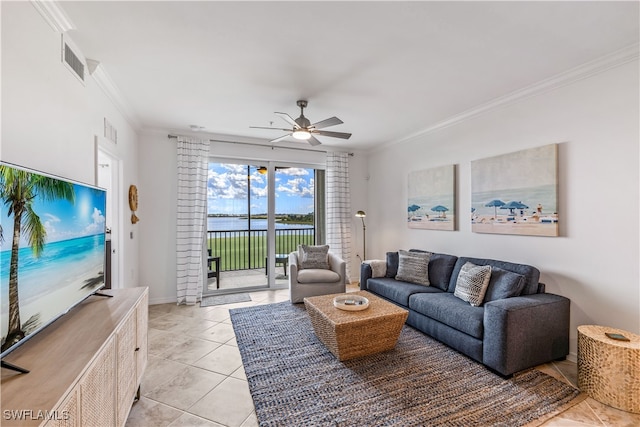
{"type": "Point", "coordinates": [303, 130]}
{"type": "Point", "coordinates": [301, 134]}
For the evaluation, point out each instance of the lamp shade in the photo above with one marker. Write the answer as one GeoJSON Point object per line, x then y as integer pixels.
{"type": "Point", "coordinates": [361, 214]}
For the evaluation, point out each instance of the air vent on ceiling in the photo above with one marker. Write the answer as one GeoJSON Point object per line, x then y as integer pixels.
{"type": "Point", "coordinates": [72, 58]}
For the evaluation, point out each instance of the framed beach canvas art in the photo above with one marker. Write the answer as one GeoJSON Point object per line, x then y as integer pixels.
{"type": "Point", "coordinates": [516, 193]}
{"type": "Point", "coordinates": [431, 199]}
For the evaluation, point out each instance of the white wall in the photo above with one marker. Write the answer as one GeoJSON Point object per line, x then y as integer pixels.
{"type": "Point", "coordinates": [50, 120]}
{"type": "Point", "coordinates": [595, 261]}
{"type": "Point", "coordinates": [158, 192]}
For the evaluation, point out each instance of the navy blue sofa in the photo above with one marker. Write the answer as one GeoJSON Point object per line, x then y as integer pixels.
{"type": "Point", "coordinates": [517, 327]}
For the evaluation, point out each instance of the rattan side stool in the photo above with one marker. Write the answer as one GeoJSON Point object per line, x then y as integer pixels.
{"type": "Point", "coordinates": [609, 369]}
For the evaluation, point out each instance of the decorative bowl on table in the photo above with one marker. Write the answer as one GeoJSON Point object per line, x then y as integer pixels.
{"type": "Point", "coordinates": [351, 302]}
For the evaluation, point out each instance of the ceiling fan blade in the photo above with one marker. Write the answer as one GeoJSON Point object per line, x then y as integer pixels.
{"type": "Point", "coordinates": [313, 141]}
{"type": "Point", "coordinates": [264, 127]}
{"type": "Point", "coordinates": [281, 138]}
{"type": "Point", "coordinates": [327, 122]}
{"type": "Point", "coordinates": [287, 118]}
{"type": "Point", "coordinates": [342, 135]}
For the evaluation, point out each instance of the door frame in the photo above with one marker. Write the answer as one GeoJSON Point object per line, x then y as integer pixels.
{"type": "Point", "coordinates": [102, 148]}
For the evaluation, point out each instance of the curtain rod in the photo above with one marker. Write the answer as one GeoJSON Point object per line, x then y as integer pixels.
{"type": "Point", "coordinates": [170, 136]}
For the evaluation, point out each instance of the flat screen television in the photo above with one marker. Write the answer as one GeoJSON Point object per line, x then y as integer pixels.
{"type": "Point", "coordinates": [52, 250]}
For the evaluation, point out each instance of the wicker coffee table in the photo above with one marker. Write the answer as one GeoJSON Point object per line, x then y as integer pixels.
{"type": "Point", "coordinates": [351, 334]}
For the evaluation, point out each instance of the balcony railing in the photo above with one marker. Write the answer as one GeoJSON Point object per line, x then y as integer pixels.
{"type": "Point", "coordinates": [247, 249]}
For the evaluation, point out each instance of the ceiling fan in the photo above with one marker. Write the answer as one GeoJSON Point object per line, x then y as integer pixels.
{"type": "Point", "coordinates": [303, 129]}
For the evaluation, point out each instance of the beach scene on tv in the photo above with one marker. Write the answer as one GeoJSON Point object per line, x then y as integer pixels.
{"type": "Point", "coordinates": [51, 249]}
{"type": "Point", "coordinates": [431, 199]}
{"type": "Point", "coordinates": [516, 193]}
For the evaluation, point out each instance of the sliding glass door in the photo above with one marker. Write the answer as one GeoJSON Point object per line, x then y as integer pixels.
{"type": "Point", "coordinates": [257, 214]}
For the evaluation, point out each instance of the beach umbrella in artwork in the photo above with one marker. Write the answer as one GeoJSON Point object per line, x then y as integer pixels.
{"type": "Point", "coordinates": [495, 203]}
{"type": "Point", "coordinates": [514, 205]}
{"type": "Point", "coordinates": [412, 209]}
{"type": "Point", "coordinates": [441, 209]}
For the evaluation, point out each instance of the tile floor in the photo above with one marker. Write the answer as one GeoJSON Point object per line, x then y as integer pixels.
{"type": "Point", "coordinates": [195, 377]}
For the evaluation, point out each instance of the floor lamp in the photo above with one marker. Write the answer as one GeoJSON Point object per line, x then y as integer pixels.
{"type": "Point", "coordinates": [361, 215]}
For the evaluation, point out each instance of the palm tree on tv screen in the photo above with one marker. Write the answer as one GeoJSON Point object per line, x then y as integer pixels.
{"type": "Point", "coordinates": [18, 190]}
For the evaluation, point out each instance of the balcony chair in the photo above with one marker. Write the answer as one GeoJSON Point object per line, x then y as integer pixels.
{"type": "Point", "coordinates": [309, 282]}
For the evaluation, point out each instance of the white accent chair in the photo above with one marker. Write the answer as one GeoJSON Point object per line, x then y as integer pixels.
{"type": "Point", "coordinates": [311, 282]}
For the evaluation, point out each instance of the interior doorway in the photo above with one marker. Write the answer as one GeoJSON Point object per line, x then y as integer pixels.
{"type": "Point", "coordinates": [108, 176]}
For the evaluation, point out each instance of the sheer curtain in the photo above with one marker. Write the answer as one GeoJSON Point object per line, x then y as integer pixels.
{"type": "Point", "coordinates": [193, 159]}
{"type": "Point", "coordinates": [339, 207]}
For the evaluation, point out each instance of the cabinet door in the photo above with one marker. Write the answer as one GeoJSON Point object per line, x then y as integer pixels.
{"type": "Point", "coordinates": [126, 367]}
{"type": "Point", "coordinates": [142, 314]}
{"type": "Point", "coordinates": [97, 389]}
{"type": "Point", "coordinates": [66, 415]}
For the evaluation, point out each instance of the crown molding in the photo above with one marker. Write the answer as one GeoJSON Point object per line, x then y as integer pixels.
{"type": "Point", "coordinates": [104, 82]}
{"type": "Point", "coordinates": [602, 64]}
{"type": "Point", "coordinates": [54, 15]}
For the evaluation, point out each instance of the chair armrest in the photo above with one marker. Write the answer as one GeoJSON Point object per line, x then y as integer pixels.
{"type": "Point", "coordinates": [293, 267]}
{"type": "Point", "coordinates": [366, 273]}
{"type": "Point", "coordinates": [525, 331]}
{"type": "Point", "coordinates": [338, 265]}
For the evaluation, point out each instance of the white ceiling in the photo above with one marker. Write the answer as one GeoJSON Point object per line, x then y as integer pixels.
{"type": "Point", "coordinates": [387, 69]}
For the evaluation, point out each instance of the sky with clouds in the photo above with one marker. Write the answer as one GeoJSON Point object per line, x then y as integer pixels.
{"type": "Point", "coordinates": [227, 190]}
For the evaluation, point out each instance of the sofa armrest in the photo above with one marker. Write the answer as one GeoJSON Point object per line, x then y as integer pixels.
{"type": "Point", "coordinates": [338, 265]}
{"type": "Point", "coordinates": [525, 331]}
{"type": "Point", "coordinates": [365, 274]}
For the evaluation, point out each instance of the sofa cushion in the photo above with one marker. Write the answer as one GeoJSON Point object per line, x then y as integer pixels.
{"type": "Point", "coordinates": [397, 291]}
{"type": "Point", "coordinates": [531, 274]}
{"type": "Point", "coordinates": [392, 264]}
{"type": "Point", "coordinates": [316, 257]}
{"type": "Point", "coordinates": [413, 267]}
{"type": "Point", "coordinates": [472, 283]}
{"type": "Point", "coordinates": [503, 284]}
{"type": "Point", "coordinates": [446, 308]}
{"type": "Point", "coordinates": [316, 275]}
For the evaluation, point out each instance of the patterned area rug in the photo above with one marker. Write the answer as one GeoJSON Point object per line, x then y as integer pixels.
{"type": "Point", "coordinates": [224, 299]}
{"type": "Point", "coordinates": [294, 380]}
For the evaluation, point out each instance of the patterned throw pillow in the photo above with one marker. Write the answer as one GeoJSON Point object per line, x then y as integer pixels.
{"type": "Point", "coordinates": [413, 267]}
{"type": "Point", "coordinates": [314, 257]}
{"type": "Point", "coordinates": [472, 283]}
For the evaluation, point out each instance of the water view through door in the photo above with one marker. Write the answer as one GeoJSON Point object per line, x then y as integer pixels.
{"type": "Point", "coordinates": [247, 248]}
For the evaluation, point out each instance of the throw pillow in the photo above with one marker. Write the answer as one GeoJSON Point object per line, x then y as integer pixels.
{"type": "Point", "coordinates": [413, 267]}
{"type": "Point", "coordinates": [314, 257]}
{"type": "Point", "coordinates": [378, 267]}
{"type": "Point", "coordinates": [504, 284]}
{"type": "Point", "coordinates": [392, 264]}
{"type": "Point", "coordinates": [472, 283]}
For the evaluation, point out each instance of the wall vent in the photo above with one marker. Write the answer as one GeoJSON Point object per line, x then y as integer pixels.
{"type": "Point", "coordinates": [110, 132]}
{"type": "Point", "coordinates": [72, 59]}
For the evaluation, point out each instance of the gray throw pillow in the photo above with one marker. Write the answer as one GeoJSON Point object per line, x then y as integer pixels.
{"type": "Point", "coordinates": [413, 267]}
{"type": "Point", "coordinates": [314, 257]}
{"type": "Point", "coordinates": [504, 284]}
{"type": "Point", "coordinates": [392, 264]}
{"type": "Point", "coordinates": [472, 283]}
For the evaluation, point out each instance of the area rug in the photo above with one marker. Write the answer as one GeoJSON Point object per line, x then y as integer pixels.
{"type": "Point", "coordinates": [224, 299]}
{"type": "Point", "coordinates": [294, 380]}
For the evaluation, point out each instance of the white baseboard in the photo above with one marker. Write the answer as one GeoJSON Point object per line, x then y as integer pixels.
{"type": "Point", "coordinates": [163, 300]}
